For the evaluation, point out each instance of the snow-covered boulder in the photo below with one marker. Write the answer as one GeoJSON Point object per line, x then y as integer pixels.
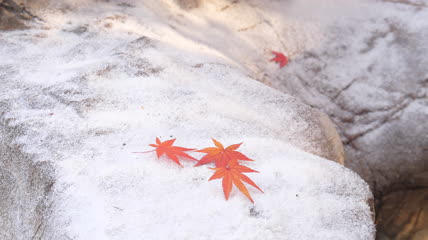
{"type": "Point", "coordinates": [84, 90]}
{"type": "Point", "coordinates": [363, 62]}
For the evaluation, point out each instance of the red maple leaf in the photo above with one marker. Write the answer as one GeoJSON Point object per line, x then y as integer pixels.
{"type": "Point", "coordinates": [232, 173]}
{"type": "Point", "coordinates": [220, 155]}
{"type": "Point", "coordinates": [280, 58]}
{"type": "Point", "coordinates": [173, 152]}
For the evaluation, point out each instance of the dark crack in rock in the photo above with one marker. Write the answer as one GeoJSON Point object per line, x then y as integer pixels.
{"type": "Point", "coordinates": [14, 15]}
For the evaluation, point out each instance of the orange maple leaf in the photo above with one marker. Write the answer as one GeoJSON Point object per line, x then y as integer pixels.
{"type": "Point", "coordinates": [220, 155]}
{"type": "Point", "coordinates": [232, 173]}
{"type": "Point", "coordinates": [171, 151]}
{"type": "Point", "coordinates": [280, 58]}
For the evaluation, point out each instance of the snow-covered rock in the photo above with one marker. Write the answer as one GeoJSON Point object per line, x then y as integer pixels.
{"type": "Point", "coordinates": [82, 91]}
{"type": "Point", "coordinates": [363, 62]}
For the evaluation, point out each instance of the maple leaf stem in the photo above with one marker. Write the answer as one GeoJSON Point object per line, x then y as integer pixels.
{"type": "Point", "coordinates": [145, 151]}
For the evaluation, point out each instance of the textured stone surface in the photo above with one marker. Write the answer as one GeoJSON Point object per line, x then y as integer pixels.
{"type": "Point", "coordinates": [363, 63]}
{"type": "Point", "coordinates": [378, 101]}
{"type": "Point", "coordinates": [25, 188]}
{"type": "Point", "coordinates": [81, 93]}
{"type": "Point", "coordinates": [403, 215]}
{"type": "Point", "coordinates": [17, 14]}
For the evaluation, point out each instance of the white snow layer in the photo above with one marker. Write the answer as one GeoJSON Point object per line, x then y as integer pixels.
{"type": "Point", "coordinates": [94, 85]}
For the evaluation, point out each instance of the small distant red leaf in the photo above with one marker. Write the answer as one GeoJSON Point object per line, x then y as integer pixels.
{"type": "Point", "coordinates": [280, 58]}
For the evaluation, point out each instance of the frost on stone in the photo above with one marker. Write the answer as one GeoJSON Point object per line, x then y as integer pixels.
{"type": "Point", "coordinates": [82, 101]}
{"type": "Point", "coordinates": [361, 62]}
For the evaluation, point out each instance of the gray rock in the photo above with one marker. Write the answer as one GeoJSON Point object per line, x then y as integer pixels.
{"type": "Point", "coordinates": [373, 83]}
{"type": "Point", "coordinates": [25, 188]}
